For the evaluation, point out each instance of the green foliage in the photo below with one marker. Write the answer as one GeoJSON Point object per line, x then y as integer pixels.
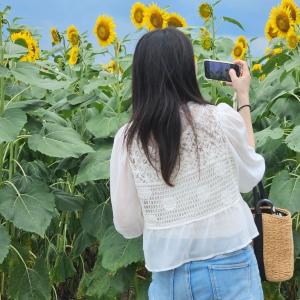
{"type": "Point", "coordinates": [57, 124]}
{"type": "Point", "coordinates": [118, 252]}
{"type": "Point", "coordinates": [4, 243]}
{"type": "Point", "coordinates": [29, 205]}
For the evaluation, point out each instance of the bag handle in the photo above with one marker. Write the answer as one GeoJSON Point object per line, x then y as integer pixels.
{"type": "Point", "coordinates": [260, 194]}
{"type": "Point", "coordinates": [260, 198]}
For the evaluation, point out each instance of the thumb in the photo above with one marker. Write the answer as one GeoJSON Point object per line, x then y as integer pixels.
{"type": "Point", "coordinates": [232, 75]}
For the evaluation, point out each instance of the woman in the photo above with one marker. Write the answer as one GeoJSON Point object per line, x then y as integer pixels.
{"type": "Point", "coordinates": [177, 171]}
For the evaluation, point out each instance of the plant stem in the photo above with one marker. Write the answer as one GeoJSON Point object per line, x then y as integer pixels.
{"type": "Point", "coordinates": [213, 85]}
{"type": "Point", "coordinates": [11, 161]}
{"type": "Point", "coordinates": [117, 52]}
{"type": "Point", "coordinates": [1, 95]}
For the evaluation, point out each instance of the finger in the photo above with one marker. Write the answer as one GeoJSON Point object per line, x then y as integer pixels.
{"type": "Point", "coordinates": [228, 83]}
{"type": "Point", "coordinates": [232, 75]}
{"type": "Point", "coordinates": [244, 66]}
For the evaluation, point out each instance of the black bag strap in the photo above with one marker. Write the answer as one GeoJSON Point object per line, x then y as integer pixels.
{"type": "Point", "coordinates": [260, 194]}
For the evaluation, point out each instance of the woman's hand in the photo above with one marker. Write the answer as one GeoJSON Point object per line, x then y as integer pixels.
{"type": "Point", "coordinates": [241, 84]}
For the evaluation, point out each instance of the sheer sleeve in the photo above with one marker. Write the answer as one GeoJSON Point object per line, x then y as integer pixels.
{"type": "Point", "coordinates": [251, 165]}
{"type": "Point", "coordinates": [127, 211]}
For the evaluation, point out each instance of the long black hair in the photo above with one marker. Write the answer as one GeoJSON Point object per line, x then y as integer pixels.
{"type": "Point", "coordinates": [163, 81]}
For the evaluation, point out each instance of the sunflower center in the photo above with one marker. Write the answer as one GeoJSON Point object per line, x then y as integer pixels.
{"type": "Point", "coordinates": [156, 20]}
{"type": "Point", "coordinates": [272, 33]}
{"type": "Point", "coordinates": [293, 41]}
{"type": "Point", "coordinates": [293, 12]}
{"type": "Point", "coordinates": [205, 11]}
{"type": "Point", "coordinates": [103, 32]}
{"type": "Point", "coordinates": [55, 36]}
{"type": "Point", "coordinates": [174, 22]}
{"type": "Point", "coordinates": [139, 16]}
{"type": "Point", "coordinates": [237, 51]}
{"type": "Point", "coordinates": [207, 43]}
{"type": "Point", "coordinates": [74, 38]}
{"type": "Point", "coordinates": [283, 23]}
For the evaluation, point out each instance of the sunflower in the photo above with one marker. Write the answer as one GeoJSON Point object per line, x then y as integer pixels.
{"type": "Point", "coordinates": [73, 35]}
{"type": "Point", "coordinates": [262, 77]}
{"type": "Point", "coordinates": [111, 67]}
{"type": "Point", "coordinates": [22, 38]}
{"type": "Point", "coordinates": [256, 68]}
{"type": "Point", "coordinates": [55, 36]}
{"type": "Point", "coordinates": [281, 20]}
{"type": "Point", "coordinates": [155, 17]}
{"type": "Point", "coordinates": [104, 30]}
{"type": "Point", "coordinates": [277, 51]}
{"type": "Point", "coordinates": [268, 51]}
{"type": "Point", "coordinates": [25, 39]}
{"type": "Point", "coordinates": [175, 20]}
{"type": "Point", "coordinates": [294, 10]}
{"type": "Point", "coordinates": [292, 40]}
{"type": "Point", "coordinates": [238, 51]}
{"type": "Point", "coordinates": [242, 39]}
{"type": "Point", "coordinates": [138, 14]}
{"type": "Point", "coordinates": [205, 39]}
{"type": "Point", "coordinates": [34, 50]}
{"type": "Point", "coordinates": [270, 31]}
{"type": "Point", "coordinates": [74, 54]}
{"type": "Point", "coordinates": [205, 11]}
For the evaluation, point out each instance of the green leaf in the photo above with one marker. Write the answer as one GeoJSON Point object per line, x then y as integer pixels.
{"type": "Point", "coordinates": [296, 237]}
{"type": "Point", "coordinates": [67, 202]}
{"type": "Point", "coordinates": [82, 241]}
{"type": "Point", "coordinates": [28, 73]}
{"type": "Point", "coordinates": [36, 170]}
{"type": "Point", "coordinates": [293, 139]}
{"type": "Point", "coordinates": [94, 84]}
{"type": "Point", "coordinates": [30, 284]}
{"type": "Point", "coordinates": [52, 117]}
{"type": "Point", "coordinates": [224, 47]}
{"type": "Point", "coordinates": [4, 72]}
{"type": "Point", "coordinates": [95, 165]}
{"type": "Point", "coordinates": [101, 214]}
{"type": "Point", "coordinates": [4, 243]}
{"type": "Point", "coordinates": [292, 64]}
{"type": "Point", "coordinates": [31, 209]}
{"type": "Point", "coordinates": [285, 191]}
{"type": "Point", "coordinates": [101, 282]}
{"type": "Point", "coordinates": [63, 268]}
{"type": "Point", "coordinates": [11, 123]}
{"type": "Point", "coordinates": [118, 252]}
{"type": "Point", "coordinates": [58, 141]}
{"type": "Point", "coordinates": [27, 105]}
{"type": "Point", "coordinates": [102, 126]}
{"type": "Point", "coordinates": [234, 21]}
{"type": "Point", "coordinates": [263, 136]}
{"type": "Point", "coordinates": [287, 108]}
{"type": "Point", "coordinates": [12, 50]}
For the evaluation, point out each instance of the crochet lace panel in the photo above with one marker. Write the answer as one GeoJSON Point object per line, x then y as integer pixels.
{"type": "Point", "coordinates": [205, 183]}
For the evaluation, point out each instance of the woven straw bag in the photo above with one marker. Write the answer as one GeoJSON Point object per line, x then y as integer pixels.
{"type": "Point", "coordinates": [274, 247]}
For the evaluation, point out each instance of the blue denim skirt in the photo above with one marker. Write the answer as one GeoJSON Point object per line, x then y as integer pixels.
{"type": "Point", "coordinates": [231, 276]}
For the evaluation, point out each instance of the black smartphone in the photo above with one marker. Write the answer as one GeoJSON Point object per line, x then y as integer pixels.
{"type": "Point", "coordinates": [219, 70]}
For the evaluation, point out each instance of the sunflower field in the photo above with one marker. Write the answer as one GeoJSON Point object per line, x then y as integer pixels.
{"type": "Point", "coordinates": [59, 112]}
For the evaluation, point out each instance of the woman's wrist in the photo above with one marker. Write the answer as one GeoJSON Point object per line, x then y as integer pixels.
{"type": "Point", "coordinates": [243, 99]}
{"type": "Point", "coordinates": [248, 106]}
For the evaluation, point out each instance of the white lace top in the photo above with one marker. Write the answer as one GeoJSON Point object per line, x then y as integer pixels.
{"type": "Point", "coordinates": [203, 215]}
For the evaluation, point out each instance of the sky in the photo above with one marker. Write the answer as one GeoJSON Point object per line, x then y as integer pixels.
{"type": "Point", "coordinates": [42, 15]}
